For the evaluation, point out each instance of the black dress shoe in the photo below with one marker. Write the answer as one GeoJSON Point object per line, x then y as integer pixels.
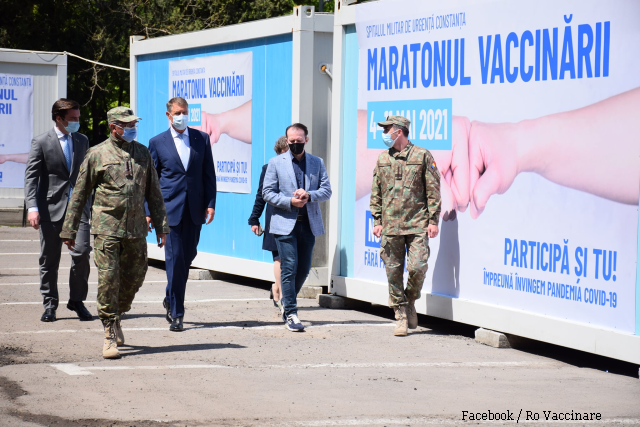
{"type": "Point", "coordinates": [80, 309]}
{"type": "Point", "coordinates": [176, 325]}
{"type": "Point", "coordinates": [165, 304]}
{"type": "Point", "coordinates": [49, 315]}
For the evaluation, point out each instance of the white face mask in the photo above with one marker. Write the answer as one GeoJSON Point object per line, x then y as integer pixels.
{"type": "Point", "coordinates": [180, 121]}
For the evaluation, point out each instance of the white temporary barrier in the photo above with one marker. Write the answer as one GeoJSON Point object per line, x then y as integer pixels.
{"type": "Point", "coordinates": [529, 114]}
{"type": "Point", "coordinates": [30, 82]}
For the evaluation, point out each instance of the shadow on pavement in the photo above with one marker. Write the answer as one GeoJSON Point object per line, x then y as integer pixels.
{"type": "Point", "coordinates": [130, 350]}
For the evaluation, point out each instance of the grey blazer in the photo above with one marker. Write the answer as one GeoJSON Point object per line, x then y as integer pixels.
{"type": "Point", "coordinates": [280, 184]}
{"type": "Point", "coordinates": [46, 179]}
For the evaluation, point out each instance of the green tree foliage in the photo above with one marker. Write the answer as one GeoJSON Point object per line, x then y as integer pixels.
{"type": "Point", "coordinates": [99, 30]}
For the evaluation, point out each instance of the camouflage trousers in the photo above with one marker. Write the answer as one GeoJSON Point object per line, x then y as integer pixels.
{"type": "Point", "coordinates": [122, 266]}
{"type": "Point", "coordinates": [392, 252]}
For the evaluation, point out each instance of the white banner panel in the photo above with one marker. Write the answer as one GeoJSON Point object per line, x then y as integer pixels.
{"type": "Point", "coordinates": [218, 89]}
{"type": "Point", "coordinates": [530, 110]}
{"type": "Point", "coordinates": [16, 122]}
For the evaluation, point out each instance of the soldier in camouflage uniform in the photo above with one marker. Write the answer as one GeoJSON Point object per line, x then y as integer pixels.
{"type": "Point", "coordinates": [405, 205]}
{"type": "Point", "coordinates": [121, 172]}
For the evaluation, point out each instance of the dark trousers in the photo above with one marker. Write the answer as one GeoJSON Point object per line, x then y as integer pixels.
{"type": "Point", "coordinates": [179, 252]}
{"type": "Point", "coordinates": [50, 253]}
{"type": "Point", "coordinates": [295, 249]}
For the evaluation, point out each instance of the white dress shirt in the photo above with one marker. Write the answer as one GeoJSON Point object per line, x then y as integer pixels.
{"type": "Point", "coordinates": [182, 145]}
{"type": "Point", "coordinates": [62, 138]}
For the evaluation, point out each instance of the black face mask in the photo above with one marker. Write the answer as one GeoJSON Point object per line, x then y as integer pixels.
{"type": "Point", "coordinates": [296, 149]}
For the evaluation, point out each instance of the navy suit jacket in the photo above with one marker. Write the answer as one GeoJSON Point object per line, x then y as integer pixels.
{"type": "Point", "coordinates": [198, 182]}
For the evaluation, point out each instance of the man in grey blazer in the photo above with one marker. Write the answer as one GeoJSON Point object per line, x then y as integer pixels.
{"type": "Point", "coordinates": [52, 169]}
{"type": "Point", "coordinates": [295, 183]}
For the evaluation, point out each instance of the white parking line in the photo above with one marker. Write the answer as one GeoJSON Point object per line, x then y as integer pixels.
{"type": "Point", "coordinates": [197, 328]}
{"type": "Point", "coordinates": [153, 302]}
{"type": "Point", "coordinates": [95, 283]}
{"type": "Point", "coordinates": [28, 253]}
{"type": "Point", "coordinates": [73, 369]}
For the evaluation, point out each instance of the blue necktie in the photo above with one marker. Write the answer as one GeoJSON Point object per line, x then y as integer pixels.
{"type": "Point", "coordinates": [67, 151]}
{"type": "Point", "coordinates": [67, 157]}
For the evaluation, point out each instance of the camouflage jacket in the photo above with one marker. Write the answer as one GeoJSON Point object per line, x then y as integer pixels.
{"type": "Point", "coordinates": [405, 195]}
{"type": "Point", "coordinates": [123, 176]}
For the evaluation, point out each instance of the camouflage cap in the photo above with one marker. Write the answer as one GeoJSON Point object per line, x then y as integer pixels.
{"type": "Point", "coordinates": [121, 114]}
{"type": "Point", "coordinates": [396, 120]}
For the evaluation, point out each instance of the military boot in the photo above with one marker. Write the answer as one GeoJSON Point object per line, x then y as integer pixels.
{"type": "Point", "coordinates": [412, 315]}
{"type": "Point", "coordinates": [401, 324]}
{"type": "Point", "coordinates": [119, 333]}
{"type": "Point", "coordinates": [110, 347]}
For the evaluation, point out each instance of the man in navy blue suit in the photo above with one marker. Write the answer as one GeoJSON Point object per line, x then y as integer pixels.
{"type": "Point", "coordinates": [184, 163]}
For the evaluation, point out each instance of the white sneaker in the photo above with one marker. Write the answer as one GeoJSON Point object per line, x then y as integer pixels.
{"type": "Point", "coordinates": [294, 324]}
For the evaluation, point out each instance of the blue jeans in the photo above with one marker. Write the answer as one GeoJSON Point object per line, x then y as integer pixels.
{"type": "Point", "coordinates": [295, 251]}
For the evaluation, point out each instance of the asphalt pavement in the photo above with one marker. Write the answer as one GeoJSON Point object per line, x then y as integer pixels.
{"type": "Point", "coordinates": [236, 364]}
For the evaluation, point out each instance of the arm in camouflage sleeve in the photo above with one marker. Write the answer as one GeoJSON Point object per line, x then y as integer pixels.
{"type": "Point", "coordinates": [432, 187]}
{"type": "Point", "coordinates": [375, 201]}
{"type": "Point", "coordinates": [81, 193]}
{"type": "Point", "coordinates": [154, 199]}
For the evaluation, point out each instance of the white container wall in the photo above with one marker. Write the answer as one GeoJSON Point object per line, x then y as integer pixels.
{"type": "Point", "coordinates": [543, 256]}
{"type": "Point", "coordinates": [48, 77]}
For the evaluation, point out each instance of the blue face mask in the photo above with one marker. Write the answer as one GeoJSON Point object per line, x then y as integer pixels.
{"type": "Point", "coordinates": [386, 138]}
{"type": "Point", "coordinates": [129, 133]}
{"type": "Point", "coordinates": [72, 127]}
{"type": "Point", "coordinates": [180, 121]}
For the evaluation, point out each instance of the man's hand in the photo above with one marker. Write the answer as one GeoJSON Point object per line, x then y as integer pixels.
{"type": "Point", "coordinates": [298, 203]}
{"type": "Point", "coordinates": [162, 239]}
{"type": "Point", "coordinates": [377, 230]}
{"type": "Point", "coordinates": [210, 214]}
{"type": "Point", "coordinates": [34, 219]}
{"type": "Point", "coordinates": [71, 243]}
{"type": "Point", "coordinates": [149, 223]}
{"type": "Point", "coordinates": [300, 198]}
{"type": "Point", "coordinates": [432, 231]}
{"type": "Point", "coordinates": [255, 229]}
{"type": "Point", "coordinates": [301, 194]}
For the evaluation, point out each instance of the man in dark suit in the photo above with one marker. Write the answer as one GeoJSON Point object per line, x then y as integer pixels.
{"type": "Point", "coordinates": [52, 169]}
{"type": "Point", "coordinates": [184, 163]}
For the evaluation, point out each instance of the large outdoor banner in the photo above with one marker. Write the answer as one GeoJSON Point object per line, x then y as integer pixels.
{"type": "Point", "coordinates": [16, 122]}
{"type": "Point", "coordinates": [218, 89]}
{"type": "Point", "coordinates": [530, 110]}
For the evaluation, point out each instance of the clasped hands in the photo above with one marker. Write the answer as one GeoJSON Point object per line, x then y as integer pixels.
{"type": "Point", "coordinates": [300, 198]}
